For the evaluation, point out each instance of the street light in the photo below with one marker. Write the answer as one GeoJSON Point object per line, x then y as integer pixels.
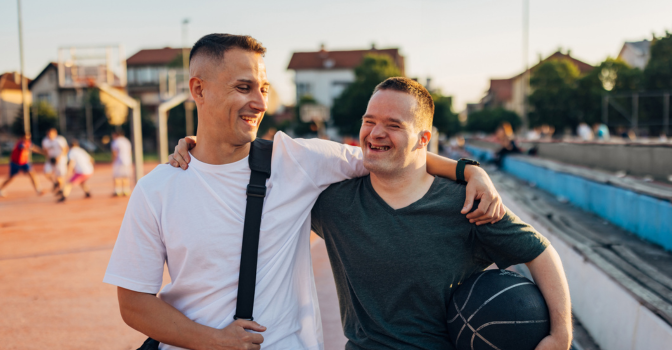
{"type": "Point", "coordinates": [188, 105]}
{"type": "Point", "coordinates": [526, 75]}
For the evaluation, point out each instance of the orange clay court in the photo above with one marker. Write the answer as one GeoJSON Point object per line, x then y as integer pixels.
{"type": "Point", "coordinates": [52, 260]}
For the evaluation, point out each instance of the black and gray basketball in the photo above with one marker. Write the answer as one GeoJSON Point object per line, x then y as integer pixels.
{"type": "Point", "coordinates": [497, 309]}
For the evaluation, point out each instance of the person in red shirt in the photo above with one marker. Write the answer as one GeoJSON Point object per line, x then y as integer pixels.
{"type": "Point", "coordinates": [20, 162]}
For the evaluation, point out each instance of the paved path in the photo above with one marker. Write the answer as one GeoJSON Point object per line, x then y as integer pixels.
{"type": "Point", "coordinates": [52, 260]}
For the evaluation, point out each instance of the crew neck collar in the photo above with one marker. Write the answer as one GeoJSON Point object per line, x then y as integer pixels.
{"type": "Point", "coordinates": [197, 164]}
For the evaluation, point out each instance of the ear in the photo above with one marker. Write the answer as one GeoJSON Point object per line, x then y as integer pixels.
{"type": "Point", "coordinates": [423, 138]}
{"type": "Point", "coordinates": [196, 89]}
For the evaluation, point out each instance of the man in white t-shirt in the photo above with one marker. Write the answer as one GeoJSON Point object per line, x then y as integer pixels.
{"type": "Point", "coordinates": [121, 163]}
{"type": "Point", "coordinates": [80, 164]}
{"type": "Point", "coordinates": [56, 165]}
{"type": "Point", "coordinates": [193, 220]}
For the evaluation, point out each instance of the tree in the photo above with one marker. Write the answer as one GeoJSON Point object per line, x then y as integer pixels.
{"type": "Point", "coordinates": [444, 119]}
{"type": "Point", "coordinates": [657, 76]}
{"type": "Point", "coordinates": [301, 127]}
{"type": "Point", "coordinates": [553, 90]}
{"type": "Point", "coordinates": [611, 75]}
{"type": "Point", "coordinates": [488, 120]}
{"type": "Point", "coordinates": [47, 118]}
{"type": "Point", "coordinates": [349, 108]}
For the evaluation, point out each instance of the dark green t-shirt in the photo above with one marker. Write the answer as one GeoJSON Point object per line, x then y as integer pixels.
{"type": "Point", "coordinates": [395, 270]}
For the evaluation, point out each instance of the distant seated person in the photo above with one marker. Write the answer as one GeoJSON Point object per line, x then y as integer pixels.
{"type": "Point", "coordinates": [506, 138]}
{"type": "Point", "coordinates": [80, 165]}
{"type": "Point", "coordinates": [19, 162]}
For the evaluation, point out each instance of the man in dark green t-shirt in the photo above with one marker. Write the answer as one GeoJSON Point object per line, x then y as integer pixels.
{"type": "Point", "coordinates": [399, 246]}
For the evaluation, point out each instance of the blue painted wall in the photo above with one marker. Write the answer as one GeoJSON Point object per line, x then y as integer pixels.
{"type": "Point", "coordinates": [647, 217]}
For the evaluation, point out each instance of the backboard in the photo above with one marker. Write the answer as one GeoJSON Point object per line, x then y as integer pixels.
{"type": "Point", "coordinates": [88, 66]}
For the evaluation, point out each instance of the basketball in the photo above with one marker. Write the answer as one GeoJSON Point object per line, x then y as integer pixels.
{"type": "Point", "coordinates": [497, 309]}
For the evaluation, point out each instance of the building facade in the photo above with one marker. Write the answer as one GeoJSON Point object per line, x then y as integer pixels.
{"type": "Point", "coordinates": [11, 98]}
{"type": "Point", "coordinates": [636, 53]}
{"type": "Point", "coordinates": [325, 74]}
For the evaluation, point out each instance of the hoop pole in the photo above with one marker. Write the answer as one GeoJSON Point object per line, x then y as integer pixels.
{"type": "Point", "coordinates": [163, 123]}
{"type": "Point", "coordinates": [24, 83]}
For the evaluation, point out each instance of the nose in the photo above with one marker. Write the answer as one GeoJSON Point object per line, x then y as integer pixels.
{"type": "Point", "coordinates": [259, 101]}
{"type": "Point", "coordinates": [378, 131]}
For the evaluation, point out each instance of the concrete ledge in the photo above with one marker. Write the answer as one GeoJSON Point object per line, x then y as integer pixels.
{"type": "Point", "coordinates": [608, 302]}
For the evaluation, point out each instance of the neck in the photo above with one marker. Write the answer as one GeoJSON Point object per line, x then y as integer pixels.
{"type": "Point", "coordinates": [213, 148]}
{"type": "Point", "coordinates": [400, 190]}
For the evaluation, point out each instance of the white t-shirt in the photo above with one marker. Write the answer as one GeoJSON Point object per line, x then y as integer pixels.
{"type": "Point", "coordinates": [193, 221]}
{"type": "Point", "coordinates": [54, 147]}
{"type": "Point", "coordinates": [82, 161]}
{"type": "Point", "coordinates": [122, 146]}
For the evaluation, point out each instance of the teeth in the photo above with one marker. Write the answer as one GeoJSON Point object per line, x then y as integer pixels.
{"type": "Point", "coordinates": [253, 120]}
{"type": "Point", "coordinates": [382, 148]}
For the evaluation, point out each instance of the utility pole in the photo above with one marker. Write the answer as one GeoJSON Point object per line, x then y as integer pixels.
{"type": "Point", "coordinates": [188, 105]}
{"type": "Point", "coordinates": [526, 76]}
{"type": "Point", "coordinates": [24, 85]}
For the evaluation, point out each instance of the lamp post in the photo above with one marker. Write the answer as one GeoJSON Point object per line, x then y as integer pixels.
{"type": "Point", "coordinates": [526, 75]}
{"type": "Point", "coordinates": [188, 105]}
{"type": "Point", "coordinates": [24, 87]}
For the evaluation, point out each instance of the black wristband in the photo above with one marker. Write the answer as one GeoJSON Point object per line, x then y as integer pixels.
{"type": "Point", "coordinates": [459, 170]}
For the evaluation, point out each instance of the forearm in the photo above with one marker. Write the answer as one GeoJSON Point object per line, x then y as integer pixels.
{"type": "Point", "coordinates": [446, 167]}
{"type": "Point", "coordinates": [549, 276]}
{"type": "Point", "coordinates": [160, 321]}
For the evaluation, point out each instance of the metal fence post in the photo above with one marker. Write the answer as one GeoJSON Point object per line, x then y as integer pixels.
{"type": "Point", "coordinates": [666, 113]}
{"type": "Point", "coordinates": [635, 113]}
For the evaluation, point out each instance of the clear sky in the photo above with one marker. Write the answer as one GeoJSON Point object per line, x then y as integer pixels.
{"type": "Point", "coordinates": [459, 44]}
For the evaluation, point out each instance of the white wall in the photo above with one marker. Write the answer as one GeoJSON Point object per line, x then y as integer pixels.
{"type": "Point", "coordinates": [321, 83]}
{"type": "Point", "coordinates": [47, 84]}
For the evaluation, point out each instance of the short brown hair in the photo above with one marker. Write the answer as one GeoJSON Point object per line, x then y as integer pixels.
{"type": "Point", "coordinates": [424, 113]}
{"type": "Point", "coordinates": [215, 45]}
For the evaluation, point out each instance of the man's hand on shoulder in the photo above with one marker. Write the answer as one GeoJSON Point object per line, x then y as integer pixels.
{"type": "Point", "coordinates": [181, 158]}
{"type": "Point", "coordinates": [480, 187]}
{"type": "Point", "coordinates": [235, 336]}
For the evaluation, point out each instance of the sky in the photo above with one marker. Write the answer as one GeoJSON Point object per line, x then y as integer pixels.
{"type": "Point", "coordinates": [460, 45]}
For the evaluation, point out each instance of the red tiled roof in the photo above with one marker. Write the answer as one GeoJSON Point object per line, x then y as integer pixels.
{"type": "Point", "coordinates": [339, 59]}
{"type": "Point", "coordinates": [502, 88]}
{"type": "Point", "coordinates": [153, 56]}
{"type": "Point", "coordinates": [582, 66]}
{"type": "Point", "coordinates": [8, 82]}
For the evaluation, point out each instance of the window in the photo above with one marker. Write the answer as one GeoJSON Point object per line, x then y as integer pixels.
{"type": "Point", "coordinates": [302, 89]}
{"type": "Point", "coordinates": [130, 75]}
{"type": "Point", "coordinates": [337, 88]}
{"type": "Point", "coordinates": [44, 96]}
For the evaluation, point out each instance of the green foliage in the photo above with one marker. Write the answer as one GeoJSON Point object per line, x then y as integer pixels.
{"type": "Point", "coordinates": [301, 128]}
{"type": "Point", "coordinates": [553, 90]}
{"type": "Point", "coordinates": [47, 118]}
{"type": "Point", "coordinates": [488, 120]}
{"type": "Point", "coordinates": [444, 119]}
{"type": "Point", "coordinates": [611, 75]}
{"type": "Point", "coordinates": [349, 108]}
{"type": "Point", "coordinates": [658, 72]}
{"type": "Point", "coordinates": [177, 124]}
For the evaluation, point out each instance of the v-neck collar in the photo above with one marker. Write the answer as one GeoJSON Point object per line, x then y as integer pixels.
{"type": "Point", "coordinates": [405, 209]}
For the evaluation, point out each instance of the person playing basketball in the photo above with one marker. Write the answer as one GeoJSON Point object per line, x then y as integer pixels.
{"type": "Point", "coordinates": [121, 164]}
{"type": "Point", "coordinates": [80, 164]}
{"type": "Point", "coordinates": [56, 165]}
{"type": "Point", "coordinates": [19, 161]}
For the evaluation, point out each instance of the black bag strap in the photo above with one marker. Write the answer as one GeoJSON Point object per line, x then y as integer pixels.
{"type": "Point", "coordinates": [261, 152]}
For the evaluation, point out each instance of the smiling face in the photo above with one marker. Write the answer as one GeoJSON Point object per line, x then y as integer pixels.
{"type": "Point", "coordinates": [231, 94]}
{"type": "Point", "coordinates": [390, 138]}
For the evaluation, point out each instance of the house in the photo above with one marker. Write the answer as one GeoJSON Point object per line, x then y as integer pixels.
{"type": "Point", "coordinates": [510, 93]}
{"type": "Point", "coordinates": [11, 98]}
{"type": "Point", "coordinates": [154, 75]}
{"type": "Point", "coordinates": [636, 53]}
{"type": "Point", "coordinates": [69, 95]}
{"type": "Point", "coordinates": [325, 74]}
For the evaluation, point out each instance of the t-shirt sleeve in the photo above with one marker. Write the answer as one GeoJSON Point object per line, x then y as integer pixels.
{"type": "Point", "coordinates": [508, 242]}
{"type": "Point", "coordinates": [316, 217]}
{"type": "Point", "coordinates": [324, 162]}
{"type": "Point", "coordinates": [139, 253]}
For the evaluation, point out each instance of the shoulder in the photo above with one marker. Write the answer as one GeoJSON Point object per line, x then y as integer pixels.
{"type": "Point", "coordinates": [345, 189]}
{"type": "Point", "coordinates": [161, 179]}
{"type": "Point", "coordinates": [448, 192]}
